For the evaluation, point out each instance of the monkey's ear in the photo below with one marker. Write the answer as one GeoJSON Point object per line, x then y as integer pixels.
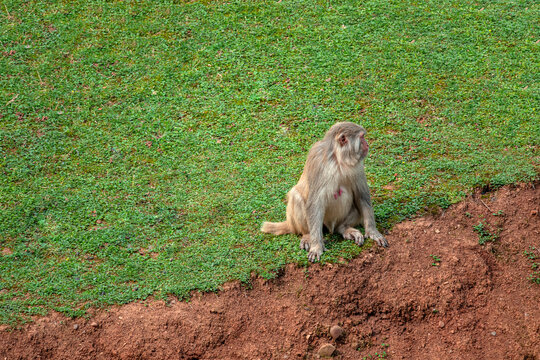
{"type": "Point", "coordinates": [342, 140]}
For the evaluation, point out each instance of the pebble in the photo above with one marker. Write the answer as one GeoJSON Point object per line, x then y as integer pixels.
{"type": "Point", "coordinates": [75, 327]}
{"type": "Point", "coordinates": [493, 333]}
{"type": "Point", "coordinates": [326, 350]}
{"type": "Point", "coordinates": [441, 324]}
{"type": "Point", "coordinates": [336, 331]}
{"type": "Point", "coordinates": [94, 324]}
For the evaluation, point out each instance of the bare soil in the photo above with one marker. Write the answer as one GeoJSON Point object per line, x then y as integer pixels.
{"type": "Point", "coordinates": [397, 303]}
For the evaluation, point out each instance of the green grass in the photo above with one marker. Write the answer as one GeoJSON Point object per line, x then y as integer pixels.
{"type": "Point", "coordinates": [377, 355]}
{"type": "Point", "coordinates": [143, 143]}
{"type": "Point", "coordinates": [534, 276]}
{"type": "Point", "coordinates": [484, 234]}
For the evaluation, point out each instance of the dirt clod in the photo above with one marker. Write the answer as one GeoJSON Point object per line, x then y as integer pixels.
{"type": "Point", "coordinates": [327, 350]}
{"type": "Point", "coordinates": [336, 332]}
{"type": "Point", "coordinates": [393, 297]}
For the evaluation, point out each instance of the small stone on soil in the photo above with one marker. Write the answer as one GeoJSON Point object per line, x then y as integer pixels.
{"type": "Point", "coordinates": [493, 333]}
{"type": "Point", "coordinates": [441, 324]}
{"type": "Point", "coordinates": [336, 331]}
{"type": "Point", "coordinates": [94, 324]}
{"type": "Point", "coordinates": [75, 327]}
{"type": "Point", "coordinates": [326, 350]}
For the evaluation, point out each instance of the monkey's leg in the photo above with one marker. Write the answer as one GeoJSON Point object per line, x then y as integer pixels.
{"type": "Point", "coordinates": [296, 216]}
{"type": "Point", "coordinates": [304, 242]}
{"type": "Point", "coordinates": [347, 230]}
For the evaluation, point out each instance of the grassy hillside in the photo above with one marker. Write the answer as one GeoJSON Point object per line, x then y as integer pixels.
{"type": "Point", "coordinates": [143, 143]}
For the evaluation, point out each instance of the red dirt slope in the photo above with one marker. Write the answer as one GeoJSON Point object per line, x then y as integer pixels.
{"type": "Point", "coordinates": [475, 303]}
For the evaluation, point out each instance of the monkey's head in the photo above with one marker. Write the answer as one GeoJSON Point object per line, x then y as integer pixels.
{"type": "Point", "coordinates": [349, 143]}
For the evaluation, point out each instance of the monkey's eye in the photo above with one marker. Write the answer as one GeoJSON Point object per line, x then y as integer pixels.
{"type": "Point", "coordinates": [342, 140]}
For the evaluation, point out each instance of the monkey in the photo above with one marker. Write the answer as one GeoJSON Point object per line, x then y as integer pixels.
{"type": "Point", "coordinates": [332, 191]}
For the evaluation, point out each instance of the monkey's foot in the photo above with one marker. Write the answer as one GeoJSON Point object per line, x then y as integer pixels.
{"type": "Point", "coordinates": [315, 253]}
{"type": "Point", "coordinates": [377, 237]}
{"type": "Point", "coordinates": [304, 242]}
{"type": "Point", "coordinates": [354, 234]}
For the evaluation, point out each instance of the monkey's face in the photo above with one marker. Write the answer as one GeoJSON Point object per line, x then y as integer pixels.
{"type": "Point", "coordinates": [350, 144]}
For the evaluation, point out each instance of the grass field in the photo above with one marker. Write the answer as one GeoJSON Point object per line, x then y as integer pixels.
{"type": "Point", "coordinates": [143, 142]}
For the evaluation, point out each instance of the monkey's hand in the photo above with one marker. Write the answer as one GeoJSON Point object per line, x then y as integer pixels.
{"type": "Point", "coordinates": [315, 253]}
{"type": "Point", "coordinates": [354, 234]}
{"type": "Point", "coordinates": [377, 237]}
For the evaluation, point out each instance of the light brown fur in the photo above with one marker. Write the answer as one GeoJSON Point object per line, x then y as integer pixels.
{"type": "Point", "coordinates": [332, 191]}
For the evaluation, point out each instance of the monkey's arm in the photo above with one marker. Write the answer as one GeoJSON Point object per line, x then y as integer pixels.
{"type": "Point", "coordinates": [316, 199]}
{"type": "Point", "coordinates": [362, 201]}
{"type": "Point", "coordinates": [315, 206]}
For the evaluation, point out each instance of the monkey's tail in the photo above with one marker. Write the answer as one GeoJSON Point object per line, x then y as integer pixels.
{"type": "Point", "coordinates": [276, 228]}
